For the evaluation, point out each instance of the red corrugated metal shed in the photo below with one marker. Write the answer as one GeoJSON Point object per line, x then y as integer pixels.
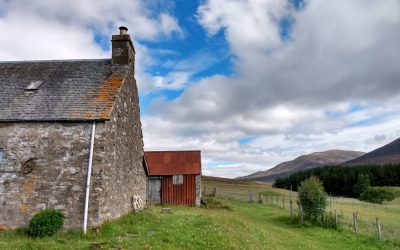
{"type": "Point", "coordinates": [184, 194]}
{"type": "Point", "coordinates": [173, 162]}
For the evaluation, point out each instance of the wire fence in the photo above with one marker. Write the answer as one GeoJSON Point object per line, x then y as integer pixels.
{"type": "Point", "coordinates": [356, 222]}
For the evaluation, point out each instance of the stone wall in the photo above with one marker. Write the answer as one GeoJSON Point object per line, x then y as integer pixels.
{"type": "Point", "coordinates": [118, 171]}
{"type": "Point", "coordinates": [60, 152]}
{"type": "Point", "coordinates": [198, 190]}
{"type": "Point", "coordinates": [56, 160]}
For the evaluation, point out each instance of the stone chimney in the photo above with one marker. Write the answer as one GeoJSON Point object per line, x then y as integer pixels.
{"type": "Point", "coordinates": [123, 51]}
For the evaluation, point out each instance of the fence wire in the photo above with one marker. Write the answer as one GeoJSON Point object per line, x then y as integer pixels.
{"type": "Point", "coordinates": [390, 231]}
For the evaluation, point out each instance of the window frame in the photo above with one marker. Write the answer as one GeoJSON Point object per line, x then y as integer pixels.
{"type": "Point", "coordinates": [1, 155]}
{"type": "Point", "coordinates": [177, 179]}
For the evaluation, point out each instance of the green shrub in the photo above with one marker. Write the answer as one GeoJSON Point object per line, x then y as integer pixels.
{"type": "Point", "coordinates": [328, 220]}
{"type": "Point", "coordinates": [45, 223]}
{"type": "Point", "coordinates": [377, 195]}
{"type": "Point", "coordinates": [362, 184]}
{"type": "Point", "coordinates": [312, 198]}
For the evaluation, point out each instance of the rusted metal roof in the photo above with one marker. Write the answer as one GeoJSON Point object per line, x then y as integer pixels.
{"type": "Point", "coordinates": [173, 162]}
{"type": "Point", "coordinates": [69, 90]}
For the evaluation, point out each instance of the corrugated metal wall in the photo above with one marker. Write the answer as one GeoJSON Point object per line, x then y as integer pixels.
{"type": "Point", "coordinates": [183, 194]}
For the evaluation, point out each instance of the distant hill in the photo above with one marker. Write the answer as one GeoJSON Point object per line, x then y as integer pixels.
{"type": "Point", "coordinates": [304, 162]}
{"type": "Point", "coordinates": [221, 179]}
{"type": "Point", "coordinates": [389, 153]}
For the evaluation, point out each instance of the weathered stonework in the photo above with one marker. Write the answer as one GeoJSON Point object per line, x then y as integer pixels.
{"type": "Point", "coordinates": [198, 190]}
{"type": "Point", "coordinates": [61, 153]}
{"type": "Point", "coordinates": [45, 136]}
{"type": "Point", "coordinates": [118, 169]}
{"type": "Point", "coordinates": [57, 181]}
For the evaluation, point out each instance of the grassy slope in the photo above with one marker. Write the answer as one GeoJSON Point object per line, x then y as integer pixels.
{"type": "Point", "coordinates": [389, 214]}
{"type": "Point", "coordinates": [230, 225]}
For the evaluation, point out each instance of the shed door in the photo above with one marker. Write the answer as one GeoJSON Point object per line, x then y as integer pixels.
{"type": "Point", "coordinates": [154, 191]}
{"type": "Point", "coordinates": [177, 192]}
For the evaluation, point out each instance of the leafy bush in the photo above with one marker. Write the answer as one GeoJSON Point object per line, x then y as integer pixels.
{"type": "Point", "coordinates": [362, 184]}
{"type": "Point", "coordinates": [312, 198]}
{"type": "Point", "coordinates": [377, 195]}
{"type": "Point", "coordinates": [45, 223]}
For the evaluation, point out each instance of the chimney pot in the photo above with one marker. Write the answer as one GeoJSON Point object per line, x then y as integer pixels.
{"type": "Point", "coordinates": [123, 51]}
{"type": "Point", "coordinates": [123, 30]}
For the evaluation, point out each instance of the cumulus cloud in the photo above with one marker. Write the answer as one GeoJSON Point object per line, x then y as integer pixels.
{"type": "Point", "coordinates": [293, 96]}
{"type": "Point", "coordinates": [331, 81]}
{"type": "Point", "coordinates": [68, 29]}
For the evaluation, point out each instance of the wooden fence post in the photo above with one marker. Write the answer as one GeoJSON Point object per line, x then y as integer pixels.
{"type": "Point", "coordinates": [215, 192]}
{"type": "Point", "coordinates": [260, 198]}
{"type": "Point", "coordinates": [336, 218]}
{"type": "Point", "coordinates": [250, 197]}
{"type": "Point", "coordinates": [355, 222]}
{"type": "Point", "coordinates": [379, 228]}
{"type": "Point", "coordinates": [204, 190]}
{"type": "Point", "coordinates": [277, 202]}
{"type": "Point", "coordinates": [300, 213]}
{"type": "Point", "coordinates": [291, 212]}
{"type": "Point", "coordinates": [283, 202]}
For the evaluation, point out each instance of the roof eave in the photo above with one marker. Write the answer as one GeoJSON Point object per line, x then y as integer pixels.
{"type": "Point", "coordinates": [52, 120]}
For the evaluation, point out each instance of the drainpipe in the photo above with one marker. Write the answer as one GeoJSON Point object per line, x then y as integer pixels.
{"type": "Point", "coordinates": [89, 173]}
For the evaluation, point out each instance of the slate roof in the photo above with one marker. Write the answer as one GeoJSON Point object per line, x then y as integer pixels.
{"type": "Point", "coordinates": [173, 162]}
{"type": "Point", "coordinates": [72, 90]}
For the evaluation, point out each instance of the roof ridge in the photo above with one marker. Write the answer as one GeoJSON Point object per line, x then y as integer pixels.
{"type": "Point", "coordinates": [59, 60]}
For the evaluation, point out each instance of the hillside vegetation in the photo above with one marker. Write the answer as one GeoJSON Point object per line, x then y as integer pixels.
{"type": "Point", "coordinates": [340, 180]}
{"type": "Point", "coordinates": [387, 213]}
{"type": "Point", "coordinates": [303, 162]}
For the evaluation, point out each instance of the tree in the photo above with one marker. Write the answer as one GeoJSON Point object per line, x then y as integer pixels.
{"type": "Point", "coordinates": [377, 195]}
{"type": "Point", "coordinates": [361, 185]}
{"type": "Point", "coordinates": [312, 198]}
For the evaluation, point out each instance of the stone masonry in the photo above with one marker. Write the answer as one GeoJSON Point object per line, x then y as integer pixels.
{"type": "Point", "coordinates": [58, 179]}
{"type": "Point", "coordinates": [45, 136]}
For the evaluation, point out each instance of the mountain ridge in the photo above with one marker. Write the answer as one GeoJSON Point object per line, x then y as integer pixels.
{"type": "Point", "coordinates": [388, 153]}
{"type": "Point", "coordinates": [304, 162]}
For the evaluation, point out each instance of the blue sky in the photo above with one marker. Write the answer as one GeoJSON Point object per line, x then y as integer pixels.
{"type": "Point", "coordinates": [192, 50]}
{"type": "Point", "coordinates": [249, 83]}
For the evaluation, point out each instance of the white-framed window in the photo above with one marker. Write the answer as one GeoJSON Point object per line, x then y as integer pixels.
{"type": "Point", "coordinates": [177, 179]}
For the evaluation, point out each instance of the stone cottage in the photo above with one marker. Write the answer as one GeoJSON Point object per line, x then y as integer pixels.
{"type": "Point", "coordinates": [71, 138]}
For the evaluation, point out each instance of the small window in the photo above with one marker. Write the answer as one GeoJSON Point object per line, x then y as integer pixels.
{"type": "Point", "coordinates": [1, 155]}
{"type": "Point", "coordinates": [34, 85]}
{"type": "Point", "coordinates": [178, 179]}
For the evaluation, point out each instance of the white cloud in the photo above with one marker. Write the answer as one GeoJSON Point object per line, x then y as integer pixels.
{"type": "Point", "coordinates": [169, 25]}
{"type": "Point", "coordinates": [292, 97]}
{"type": "Point", "coordinates": [247, 24]}
{"type": "Point", "coordinates": [51, 29]}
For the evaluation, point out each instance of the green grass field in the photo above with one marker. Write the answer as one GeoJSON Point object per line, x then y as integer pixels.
{"type": "Point", "coordinates": [388, 214]}
{"type": "Point", "coordinates": [227, 223]}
